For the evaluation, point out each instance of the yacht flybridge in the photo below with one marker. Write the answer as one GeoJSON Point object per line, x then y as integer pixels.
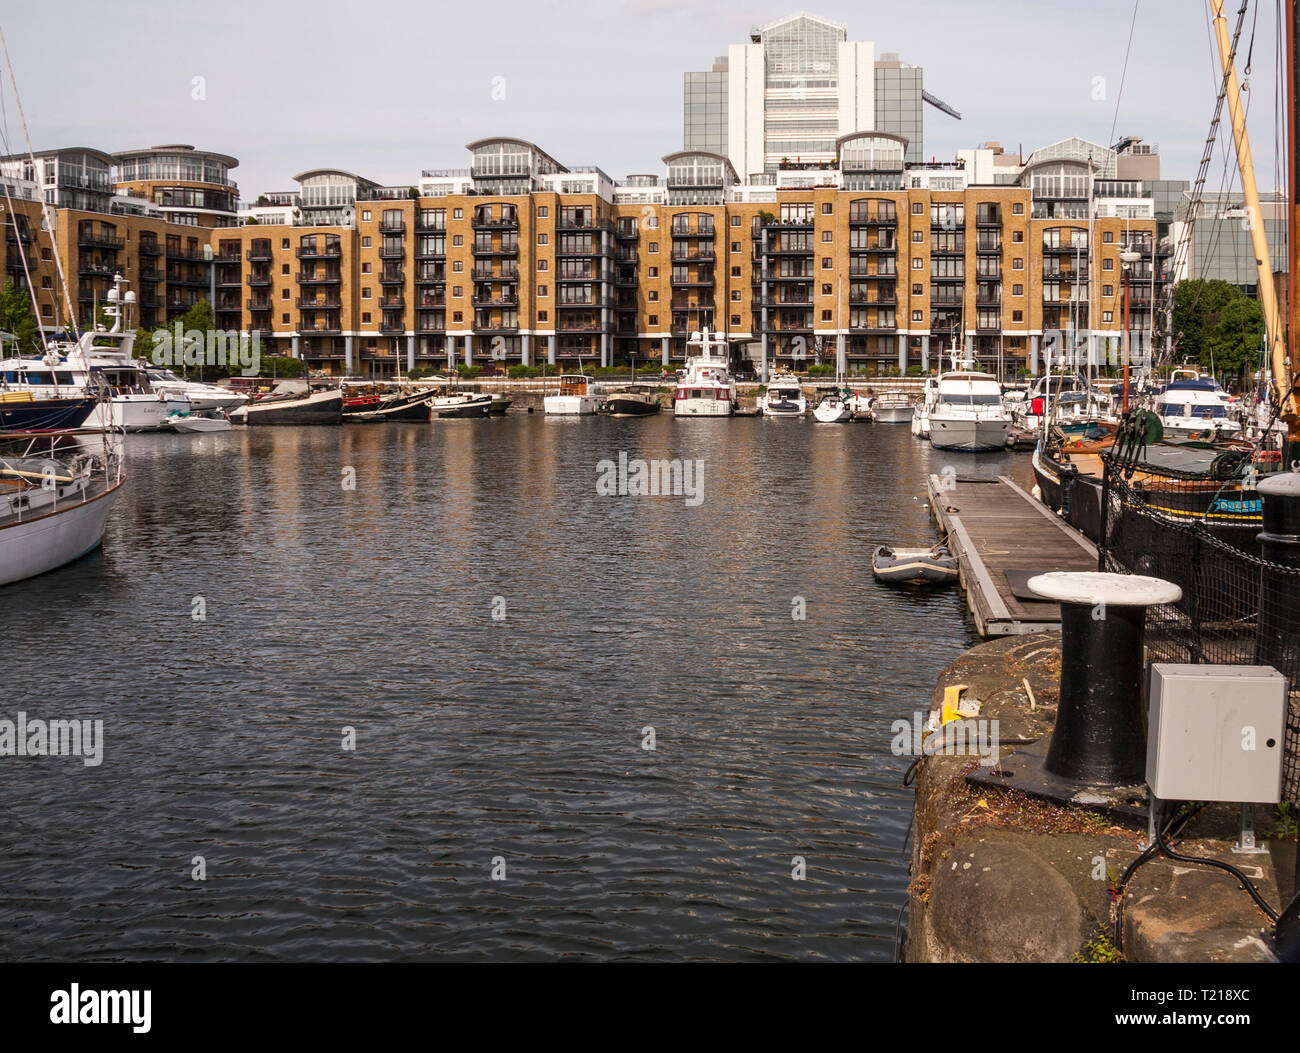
{"type": "Point", "coordinates": [784, 397]}
{"type": "Point", "coordinates": [707, 389]}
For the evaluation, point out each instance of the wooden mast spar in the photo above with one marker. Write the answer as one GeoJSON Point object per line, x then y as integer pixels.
{"type": "Point", "coordinates": [1275, 334]}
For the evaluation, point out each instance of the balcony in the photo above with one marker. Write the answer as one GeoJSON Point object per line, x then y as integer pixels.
{"type": "Point", "coordinates": [259, 305]}
{"type": "Point", "coordinates": [578, 223]}
{"type": "Point", "coordinates": [149, 274]}
{"type": "Point", "coordinates": [392, 277]}
{"type": "Point", "coordinates": [425, 301]}
{"type": "Point", "coordinates": [229, 281]}
{"type": "Point", "coordinates": [687, 281]}
{"type": "Point", "coordinates": [90, 240]}
{"type": "Point", "coordinates": [490, 301]}
{"type": "Point", "coordinates": [495, 222]}
{"type": "Point", "coordinates": [505, 249]}
{"type": "Point", "coordinates": [434, 324]}
{"type": "Point", "coordinates": [330, 325]}
{"type": "Point", "coordinates": [871, 219]}
{"type": "Point", "coordinates": [150, 248]}
{"type": "Point", "coordinates": [706, 255]}
{"type": "Point", "coordinates": [175, 252]}
{"type": "Point", "coordinates": [685, 230]}
{"type": "Point", "coordinates": [392, 226]}
{"type": "Point", "coordinates": [392, 324]}
{"type": "Point", "coordinates": [318, 278]}
{"type": "Point", "coordinates": [563, 325]}
{"type": "Point", "coordinates": [392, 303]}
{"type": "Point", "coordinates": [98, 270]}
{"type": "Point", "coordinates": [259, 255]}
{"type": "Point", "coordinates": [481, 326]}
{"type": "Point", "coordinates": [332, 251]}
{"type": "Point", "coordinates": [306, 303]}
{"type": "Point", "coordinates": [256, 281]}
{"type": "Point", "coordinates": [510, 275]}
{"type": "Point", "coordinates": [625, 233]}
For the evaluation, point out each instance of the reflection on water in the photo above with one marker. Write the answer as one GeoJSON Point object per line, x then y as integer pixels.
{"type": "Point", "coordinates": [516, 738]}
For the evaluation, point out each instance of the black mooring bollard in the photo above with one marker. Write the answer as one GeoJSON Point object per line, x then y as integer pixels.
{"type": "Point", "coordinates": [1098, 738]}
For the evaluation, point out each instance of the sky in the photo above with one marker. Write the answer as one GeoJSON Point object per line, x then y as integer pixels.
{"type": "Point", "coordinates": [388, 89]}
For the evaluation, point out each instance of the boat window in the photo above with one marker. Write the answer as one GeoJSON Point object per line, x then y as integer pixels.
{"type": "Point", "coordinates": [971, 400]}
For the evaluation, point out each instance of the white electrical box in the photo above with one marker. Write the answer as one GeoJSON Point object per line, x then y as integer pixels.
{"type": "Point", "coordinates": [1215, 733]}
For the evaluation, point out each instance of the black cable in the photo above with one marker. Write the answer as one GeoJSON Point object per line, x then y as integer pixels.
{"type": "Point", "coordinates": [898, 931]}
{"type": "Point", "coordinates": [1117, 932]}
{"type": "Point", "coordinates": [1245, 881]}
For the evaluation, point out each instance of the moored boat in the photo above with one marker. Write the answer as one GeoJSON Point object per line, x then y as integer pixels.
{"type": "Point", "coordinates": [914, 566]}
{"type": "Point", "coordinates": [706, 389]}
{"type": "Point", "coordinates": [629, 404]}
{"type": "Point", "coordinates": [893, 407]}
{"type": "Point", "coordinates": [783, 397]}
{"type": "Point", "coordinates": [574, 398]}
{"type": "Point", "coordinates": [316, 407]}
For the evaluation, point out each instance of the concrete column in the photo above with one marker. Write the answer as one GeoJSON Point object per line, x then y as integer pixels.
{"type": "Point", "coordinates": [762, 358]}
{"type": "Point", "coordinates": [525, 350]}
{"type": "Point", "coordinates": [902, 354]}
{"type": "Point", "coordinates": [605, 359]}
{"type": "Point", "coordinates": [469, 350]}
{"type": "Point", "coordinates": [550, 350]}
{"type": "Point", "coordinates": [348, 357]}
{"type": "Point", "coordinates": [451, 353]}
{"type": "Point", "coordinates": [663, 352]}
{"type": "Point", "coordinates": [410, 353]}
{"type": "Point", "coordinates": [970, 347]}
{"type": "Point", "coordinates": [293, 346]}
{"type": "Point", "coordinates": [1033, 356]}
{"type": "Point", "coordinates": [841, 355]}
{"type": "Point", "coordinates": [925, 354]}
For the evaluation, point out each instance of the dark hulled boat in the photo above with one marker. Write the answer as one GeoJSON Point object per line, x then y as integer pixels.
{"type": "Point", "coordinates": [629, 404]}
{"type": "Point", "coordinates": [19, 411]}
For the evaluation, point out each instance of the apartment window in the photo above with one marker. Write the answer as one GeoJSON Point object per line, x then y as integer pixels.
{"type": "Point", "coordinates": [735, 246]}
{"type": "Point", "coordinates": [541, 290]}
{"type": "Point", "coordinates": [284, 319]}
{"type": "Point", "coordinates": [365, 292]}
{"type": "Point", "coordinates": [458, 239]}
{"type": "Point", "coordinates": [284, 244]}
{"type": "Point", "coordinates": [735, 272]}
{"type": "Point", "coordinates": [735, 319]}
{"type": "Point", "coordinates": [1107, 264]}
{"type": "Point", "coordinates": [458, 213]}
{"type": "Point", "coordinates": [827, 289]}
{"type": "Point", "coordinates": [652, 222]}
{"type": "Point", "coordinates": [918, 236]}
{"type": "Point", "coordinates": [826, 316]}
{"type": "Point", "coordinates": [1108, 316]}
{"type": "Point", "coordinates": [456, 291]}
{"type": "Point", "coordinates": [456, 316]}
{"type": "Point", "coordinates": [284, 294]}
{"type": "Point", "coordinates": [654, 319]}
{"type": "Point", "coordinates": [1017, 316]}
{"type": "Point", "coordinates": [365, 317]}
{"type": "Point", "coordinates": [542, 211]}
{"type": "Point", "coordinates": [652, 296]}
{"type": "Point", "coordinates": [653, 247]}
{"type": "Point", "coordinates": [1018, 209]}
{"type": "Point", "coordinates": [828, 235]}
{"type": "Point", "coordinates": [541, 239]}
{"type": "Point", "coordinates": [541, 315]}
{"type": "Point", "coordinates": [918, 289]}
{"type": "Point", "coordinates": [918, 316]}
{"type": "Point", "coordinates": [827, 208]}
{"type": "Point", "coordinates": [1017, 290]}
{"type": "Point", "coordinates": [735, 294]}
{"type": "Point", "coordinates": [918, 209]}
{"type": "Point", "coordinates": [1108, 237]}
{"type": "Point", "coordinates": [457, 265]}
{"type": "Point", "coordinates": [828, 263]}
{"type": "Point", "coordinates": [284, 268]}
{"type": "Point", "coordinates": [654, 272]}
{"type": "Point", "coordinates": [365, 268]}
{"type": "Point", "coordinates": [365, 242]}
{"type": "Point", "coordinates": [1018, 236]}
{"type": "Point", "coordinates": [735, 221]}
{"type": "Point", "coordinates": [365, 215]}
{"type": "Point", "coordinates": [918, 264]}
{"type": "Point", "coordinates": [1018, 264]}
{"type": "Point", "coordinates": [1108, 290]}
{"type": "Point", "coordinates": [542, 265]}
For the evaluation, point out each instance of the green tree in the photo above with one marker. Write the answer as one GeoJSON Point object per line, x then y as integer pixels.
{"type": "Point", "coordinates": [1232, 346]}
{"type": "Point", "coordinates": [16, 317]}
{"type": "Point", "coordinates": [281, 367]}
{"type": "Point", "coordinates": [1197, 305]}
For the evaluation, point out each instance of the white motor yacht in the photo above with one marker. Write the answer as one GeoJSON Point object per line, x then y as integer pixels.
{"type": "Point", "coordinates": [706, 389]}
{"type": "Point", "coordinates": [575, 397]}
{"type": "Point", "coordinates": [967, 412]}
{"type": "Point", "coordinates": [783, 397]}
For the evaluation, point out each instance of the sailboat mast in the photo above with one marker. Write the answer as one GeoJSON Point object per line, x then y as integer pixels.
{"type": "Point", "coordinates": [1292, 31]}
{"type": "Point", "coordinates": [1259, 241]}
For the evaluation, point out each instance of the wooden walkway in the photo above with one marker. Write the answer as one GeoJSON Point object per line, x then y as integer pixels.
{"type": "Point", "coordinates": [1001, 535]}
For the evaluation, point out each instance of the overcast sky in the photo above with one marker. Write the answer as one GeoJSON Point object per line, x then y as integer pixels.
{"type": "Point", "coordinates": [389, 88]}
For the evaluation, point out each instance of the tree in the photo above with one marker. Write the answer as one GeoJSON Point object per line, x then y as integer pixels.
{"type": "Point", "coordinates": [280, 367]}
{"type": "Point", "coordinates": [1197, 304]}
{"type": "Point", "coordinates": [16, 317]}
{"type": "Point", "coordinates": [1232, 346]}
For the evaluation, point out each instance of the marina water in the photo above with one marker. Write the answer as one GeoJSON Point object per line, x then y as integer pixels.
{"type": "Point", "coordinates": [505, 642]}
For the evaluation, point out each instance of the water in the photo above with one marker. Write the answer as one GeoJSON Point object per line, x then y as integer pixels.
{"type": "Point", "coordinates": [517, 739]}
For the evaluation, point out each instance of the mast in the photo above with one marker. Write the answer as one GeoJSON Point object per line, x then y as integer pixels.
{"type": "Point", "coordinates": [1263, 261]}
{"type": "Point", "coordinates": [1291, 13]}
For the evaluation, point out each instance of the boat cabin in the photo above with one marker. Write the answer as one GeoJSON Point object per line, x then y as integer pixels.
{"type": "Point", "coordinates": [574, 384]}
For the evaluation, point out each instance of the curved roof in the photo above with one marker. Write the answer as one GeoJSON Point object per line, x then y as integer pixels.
{"type": "Point", "coordinates": [670, 158]}
{"type": "Point", "coordinates": [331, 171]}
{"type": "Point", "coordinates": [471, 147]}
{"type": "Point", "coordinates": [171, 148]}
{"type": "Point", "coordinates": [839, 143]}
